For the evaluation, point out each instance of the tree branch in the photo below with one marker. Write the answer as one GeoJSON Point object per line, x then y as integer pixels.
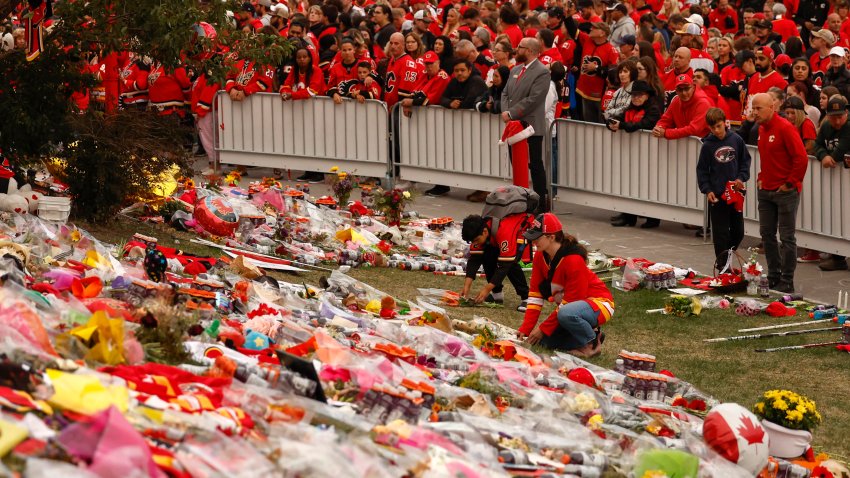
{"type": "Point", "coordinates": [7, 7]}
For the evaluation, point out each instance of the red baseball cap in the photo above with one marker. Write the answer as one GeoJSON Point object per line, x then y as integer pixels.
{"type": "Point", "coordinates": [782, 59]}
{"type": "Point", "coordinates": [546, 223]}
{"type": "Point", "coordinates": [682, 80]}
{"type": "Point", "coordinates": [758, 16]}
{"type": "Point", "coordinates": [766, 51]}
{"type": "Point", "coordinates": [430, 57]}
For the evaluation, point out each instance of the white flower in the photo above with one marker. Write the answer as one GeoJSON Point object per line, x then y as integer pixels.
{"type": "Point", "coordinates": [406, 194]}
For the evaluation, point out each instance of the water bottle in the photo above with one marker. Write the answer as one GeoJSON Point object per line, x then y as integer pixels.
{"type": "Point", "coordinates": [764, 287]}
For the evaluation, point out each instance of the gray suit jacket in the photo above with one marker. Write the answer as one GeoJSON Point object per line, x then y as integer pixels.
{"type": "Point", "coordinates": [525, 99]}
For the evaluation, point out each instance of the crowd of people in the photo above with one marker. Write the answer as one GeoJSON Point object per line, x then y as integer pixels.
{"type": "Point", "coordinates": [656, 65]}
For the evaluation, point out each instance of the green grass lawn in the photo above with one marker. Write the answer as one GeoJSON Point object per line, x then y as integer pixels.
{"type": "Point", "coordinates": [729, 371]}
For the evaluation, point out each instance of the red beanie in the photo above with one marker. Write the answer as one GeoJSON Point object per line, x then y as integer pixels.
{"type": "Point", "coordinates": [778, 309]}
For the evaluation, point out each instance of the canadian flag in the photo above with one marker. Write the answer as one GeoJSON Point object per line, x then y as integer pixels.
{"type": "Point", "coordinates": [515, 137]}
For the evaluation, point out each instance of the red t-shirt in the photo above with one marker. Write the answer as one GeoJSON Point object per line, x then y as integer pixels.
{"type": "Point", "coordinates": [732, 75]}
{"type": "Point", "coordinates": [808, 131]}
{"type": "Point", "coordinates": [786, 28]}
{"type": "Point", "coordinates": [783, 156]}
{"type": "Point", "coordinates": [717, 19]}
{"type": "Point", "coordinates": [760, 84]}
{"type": "Point", "coordinates": [514, 35]}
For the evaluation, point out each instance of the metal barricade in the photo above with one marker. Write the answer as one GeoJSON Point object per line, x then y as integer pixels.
{"type": "Point", "coordinates": [458, 148]}
{"type": "Point", "coordinates": [823, 217]}
{"type": "Point", "coordinates": [628, 172]}
{"type": "Point", "coordinates": [310, 135]}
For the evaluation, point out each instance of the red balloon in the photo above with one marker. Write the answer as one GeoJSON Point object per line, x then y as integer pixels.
{"type": "Point", "coordinates": [216, 215]}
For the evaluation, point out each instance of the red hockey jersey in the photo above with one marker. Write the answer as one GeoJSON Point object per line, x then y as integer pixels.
{"type": "Point", "coordinates": [249, 78]}
{"type": "Point", "coordinates": [404, 76]}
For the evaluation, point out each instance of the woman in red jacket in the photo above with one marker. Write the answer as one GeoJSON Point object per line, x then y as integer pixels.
{"type": "Point", "coordinates": [306, 80]}
{"type": "Point", "coordinates": [560, 274]}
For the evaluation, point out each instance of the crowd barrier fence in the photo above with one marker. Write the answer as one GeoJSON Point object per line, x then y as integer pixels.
{"type": "Point", "coordinates": [310, 135]}
{"type": "Point", "coordinates": [618, 171]}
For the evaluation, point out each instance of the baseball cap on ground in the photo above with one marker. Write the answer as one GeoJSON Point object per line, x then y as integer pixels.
{"type": "Point", "coordinates": [430, 57]}
{"type": "Point", "coordinates": [838, 51]}
{"type": "Point", "coordinates": [794, 103]}
{"type": "Point", "coordinates": [546, 223]}
{"type": "Point", "coordinates": [689, 29]}
{"type": "Point", "coordinates": [826, 35]}
{"type": "Point", "coordinates": [836, 106]}
{"type": "Point", "coordinates": [422, 15]}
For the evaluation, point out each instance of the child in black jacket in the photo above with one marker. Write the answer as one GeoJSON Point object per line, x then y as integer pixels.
{"type": "Point", "coordinates": [722, 171]}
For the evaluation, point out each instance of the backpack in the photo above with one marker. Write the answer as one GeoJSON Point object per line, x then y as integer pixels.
{"type": "Point", "coordinates": [507, 200]}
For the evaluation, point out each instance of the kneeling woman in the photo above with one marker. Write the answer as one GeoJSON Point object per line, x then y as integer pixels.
{"type": "Point", "coordinates": [560, 274]}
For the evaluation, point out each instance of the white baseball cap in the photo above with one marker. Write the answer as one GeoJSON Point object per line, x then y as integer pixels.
{"type": "Point", "coordinates": [837, 50]}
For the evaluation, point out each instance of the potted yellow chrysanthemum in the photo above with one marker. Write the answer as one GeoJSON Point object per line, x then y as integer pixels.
{"type": "Point", "coordinates": [789, 419]}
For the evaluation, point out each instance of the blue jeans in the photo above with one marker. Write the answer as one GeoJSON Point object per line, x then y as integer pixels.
{"type": "Point", "coordinates": [576, 322]}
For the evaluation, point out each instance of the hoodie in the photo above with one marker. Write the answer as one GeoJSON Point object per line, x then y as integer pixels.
{"type": "Point", "coordinates": [686, 118]}
{"type": "Point", "coordinates": [721, 161]}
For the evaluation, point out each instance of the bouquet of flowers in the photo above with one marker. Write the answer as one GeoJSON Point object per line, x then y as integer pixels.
{"type": "Point", "coordinates": [788, 409]}
{"type": "Point", "coordinates": [752, 268]}
{"type": "Point", "coordinates": [391, 203]}
{"type": "Point", "coordinates": [342, 184]}
{"type": "Point", "coordinates": [682, 306]}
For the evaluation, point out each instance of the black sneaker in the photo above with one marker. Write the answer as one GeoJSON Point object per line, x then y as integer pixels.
{"type": "Point", "coordinates": [786, 287]}
{"type": "Point", "coordinates": [522, 306]}
{"type": "Point", "coordinates": [494, 299]}
{"type": "Point", "coordinates": [316, 178]}
{"type": "Point", "coordinates": [833, 264]}
{"type": "Point", "coordinates": [438, 190]}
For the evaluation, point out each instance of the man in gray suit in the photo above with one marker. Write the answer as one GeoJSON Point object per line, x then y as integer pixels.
{"type": "Point", "coordinates": [524, 99]}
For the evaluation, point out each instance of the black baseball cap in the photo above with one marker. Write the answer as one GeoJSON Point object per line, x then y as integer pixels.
{"type": "Point", "coordinates": [556, 12]}
{"type": "Point", "coordinates": [836, 106]}
{"type": "Point", "coordinates": [640, 86]}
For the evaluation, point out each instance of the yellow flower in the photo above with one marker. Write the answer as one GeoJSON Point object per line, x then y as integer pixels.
{"type": "Point", "coordinates": [76, 236]}
{"type": "Point", "coordinates": [802, 409]}
{"type": "Point", "coordinates": [780, 404]}
{"type": "Point", "coordinates": [794, 416]}
{"type": "Point", "coordinates": [342, 175]}
{"type": "Point", "coordinates": [406, 194]}
{"type": "Point", "coordinates": [334, 169]}
{"type": "Point", "coordinates": [760, 407]}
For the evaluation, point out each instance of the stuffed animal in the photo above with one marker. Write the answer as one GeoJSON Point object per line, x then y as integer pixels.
{"type": "Point", "coordinates": [388, 308]}
{"type": "Point", "coordinates": [32, 197]}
